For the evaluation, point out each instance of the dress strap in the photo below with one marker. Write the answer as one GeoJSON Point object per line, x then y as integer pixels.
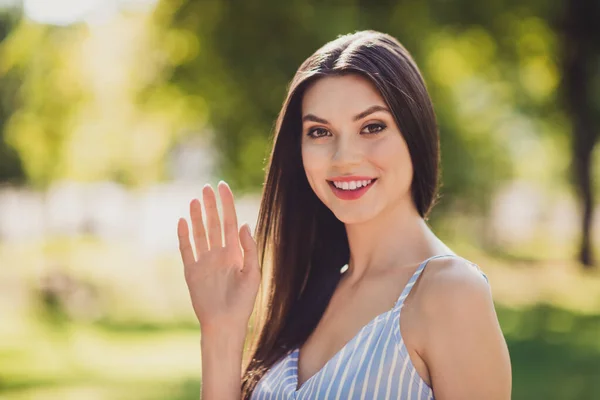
{"type": "Point", "coordinates": [411, 282]}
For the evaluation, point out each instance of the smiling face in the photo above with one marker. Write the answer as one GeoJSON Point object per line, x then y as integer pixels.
{"type": "Point", "coordinates": [348, 132]}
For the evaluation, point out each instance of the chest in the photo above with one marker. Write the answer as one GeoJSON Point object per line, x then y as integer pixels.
{"type": "Point", "coordinates": [349, 314]}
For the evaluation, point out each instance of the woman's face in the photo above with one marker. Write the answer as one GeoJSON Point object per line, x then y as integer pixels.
{"type": "Point", "coordinates": [348, 132]}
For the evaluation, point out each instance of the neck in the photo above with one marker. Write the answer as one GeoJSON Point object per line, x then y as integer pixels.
{"type": "Point", "coordinates": [396, 238]}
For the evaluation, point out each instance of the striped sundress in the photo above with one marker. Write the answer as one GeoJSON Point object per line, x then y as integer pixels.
{"type": "Point", "coordinates": [374, 364]}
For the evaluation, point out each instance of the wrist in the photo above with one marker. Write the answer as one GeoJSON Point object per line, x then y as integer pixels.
{"type": "Point", "coordinates": [223, 337]}
{"type": "Point", "coordinates": [222, 353]}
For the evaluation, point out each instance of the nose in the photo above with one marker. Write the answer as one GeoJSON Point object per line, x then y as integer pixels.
{"type": "Point", "coordinates": [347, 151]}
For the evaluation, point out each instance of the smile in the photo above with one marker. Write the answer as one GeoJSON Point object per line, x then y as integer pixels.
{"type": "Point", "coordinates": [351, 190]}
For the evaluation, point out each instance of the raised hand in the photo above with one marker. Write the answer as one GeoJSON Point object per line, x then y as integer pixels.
{"type": "Point", "coordinates": [222, 280]}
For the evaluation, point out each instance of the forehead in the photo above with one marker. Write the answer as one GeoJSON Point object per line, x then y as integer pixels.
{"type": "Point", "coordinates": [340, 95]}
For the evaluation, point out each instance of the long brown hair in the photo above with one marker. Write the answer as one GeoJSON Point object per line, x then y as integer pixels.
{"type": "Point", "coordinates": [302, 245]}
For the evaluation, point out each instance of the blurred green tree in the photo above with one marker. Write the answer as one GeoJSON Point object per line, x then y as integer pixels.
{"type": "Point", "coordinates": [580, 61]}
{"type": "Point", "coordinates": [512, 82]}
{"type": "Point", "coordinates": [493, 70]}
{"type": "Point", "coordinates": [560, 41]}
{"type": "Point", "coordinates": [78, 107]}
{"type": "Point", "coordinates": [249, 52]}
{"type": "Point", "coordinates": [11, 168]}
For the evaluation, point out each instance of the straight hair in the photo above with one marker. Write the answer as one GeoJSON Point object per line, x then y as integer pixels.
{"type": "Point", "coordinates": [302, 245]}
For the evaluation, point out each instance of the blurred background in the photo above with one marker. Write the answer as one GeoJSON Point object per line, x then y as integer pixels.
{"type": "Point", "coordinates": [114, 114]}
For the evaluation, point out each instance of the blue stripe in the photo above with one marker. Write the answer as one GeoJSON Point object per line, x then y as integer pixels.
{"type": "Point", "coordinates": [375, 363]}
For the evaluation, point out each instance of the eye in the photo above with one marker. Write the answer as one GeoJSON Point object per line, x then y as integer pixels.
{"type": "Point", "coordinates": [374, 128]}
{"type": "Point", "coordinates": [320, 132]}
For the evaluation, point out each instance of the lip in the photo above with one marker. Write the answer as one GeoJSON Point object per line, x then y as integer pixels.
{"type": "Point", "coordinates": [351, 194]}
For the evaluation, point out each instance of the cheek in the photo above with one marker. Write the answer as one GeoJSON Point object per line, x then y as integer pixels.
{"type": "Point", "coordinates": [314, 160]}
{"type": "Point", "coordinates": [391, 156]}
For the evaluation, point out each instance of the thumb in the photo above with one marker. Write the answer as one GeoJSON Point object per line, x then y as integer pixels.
{"type": "Point", "coordinates": [250, 249]}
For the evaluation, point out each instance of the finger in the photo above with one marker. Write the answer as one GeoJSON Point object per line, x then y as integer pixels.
{"type": "Point", "coordinates": [250, 249]}
{"type": "Point", "coordinates": [230, 223]}
{"type": "Point", "coordinates": [212, 217]}
{"type": "Point", "coordinates": [198, 227]}
{"type": "Point", "coordinates": [185, 247]}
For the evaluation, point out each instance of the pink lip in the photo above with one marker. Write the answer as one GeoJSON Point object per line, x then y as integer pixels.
{"type": "Point", "coordinates": [350, 194]}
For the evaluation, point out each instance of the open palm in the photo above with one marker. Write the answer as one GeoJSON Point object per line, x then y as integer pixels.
{"type": "Point", "coordinates": [223, 278]}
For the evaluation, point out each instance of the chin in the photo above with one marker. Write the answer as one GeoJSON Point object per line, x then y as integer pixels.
{"type": "Point", "coordinates": [351, 216]}
{"type": "Point", "coordinates": [347, 212]}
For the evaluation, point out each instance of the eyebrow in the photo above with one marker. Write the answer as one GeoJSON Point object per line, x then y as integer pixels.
{"type": "Point", "coordinates": [368, 111]}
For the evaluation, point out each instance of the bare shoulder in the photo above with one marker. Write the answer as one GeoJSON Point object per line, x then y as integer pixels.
{"type": "Point", "coordinates": [454, 281]}
{"type": "Point", "coordinates": [463, 345]}
{"type": "Point", "coordinates": [455, 296]}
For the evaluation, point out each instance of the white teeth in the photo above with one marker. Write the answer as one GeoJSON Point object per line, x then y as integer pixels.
{"type": "Point", "coordinates": [352, 185]}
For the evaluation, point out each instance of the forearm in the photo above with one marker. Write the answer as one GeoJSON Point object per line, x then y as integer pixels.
{"type": "Point", "coordinates": [221, 365]}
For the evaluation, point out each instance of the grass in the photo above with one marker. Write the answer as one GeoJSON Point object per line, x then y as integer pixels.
{"type": "Point", "coordinates": [555, 354]}
{"type": "Point", "coordinates": [100, 361]}
{"type": "Point", "coordinates": [143, 342]}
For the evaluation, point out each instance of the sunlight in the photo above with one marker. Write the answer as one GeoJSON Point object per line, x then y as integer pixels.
{"type": "Point", "coordinates": [66, 12]}
{"type": "Point", "coordinates": [62, 12]}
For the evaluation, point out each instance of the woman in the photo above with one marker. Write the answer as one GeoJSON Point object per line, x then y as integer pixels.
{"type": "Point", "coordinates": [352, 177]}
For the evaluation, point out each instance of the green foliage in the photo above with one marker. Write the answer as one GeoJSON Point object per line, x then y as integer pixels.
{"type": "Point", "coordinates": [554, 355]}
{"type": "Point", "coordinates": [491, 93]}
{"type": "Point", "coordinates": [74, 110]}
{"type": "Point", "coordinates": [78, 105]}
{"type": "Point", "coordinates": [11, 168]}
